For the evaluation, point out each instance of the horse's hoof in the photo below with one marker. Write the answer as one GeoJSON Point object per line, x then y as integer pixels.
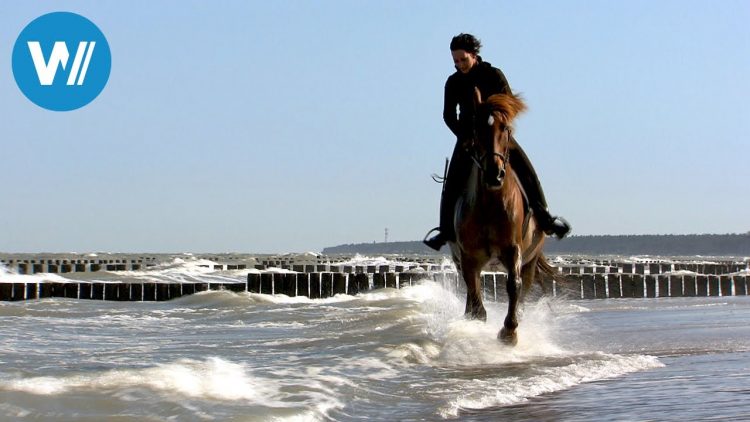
{"type": "Point", "coordinates": [509, 338]}
{"type": "Point", "coordinates": [481, 315]}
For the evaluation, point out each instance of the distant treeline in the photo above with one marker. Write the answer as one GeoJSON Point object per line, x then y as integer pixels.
{"type": "Point", "coordinates": [667, 245]}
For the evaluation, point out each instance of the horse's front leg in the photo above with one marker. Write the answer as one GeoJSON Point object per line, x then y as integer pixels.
{"type": "Point", "coordinates": [512, 260]}
{"type": "Point", "coordinates": [474, 307]}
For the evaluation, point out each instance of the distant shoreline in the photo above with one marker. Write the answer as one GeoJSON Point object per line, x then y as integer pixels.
{"type": "Point", "coordinates": [663, 245]}
{"type": "Point", "coordinates": [709, 245]}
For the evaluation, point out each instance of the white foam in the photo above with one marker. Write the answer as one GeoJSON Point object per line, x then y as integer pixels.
{"type": "Point", "coordinates": [364, 260]}
{"type": "Point", "coordinates": [373, 260]}
{"type": "Point", "coordinates": [481, 394]}
{"type": "Point", "coordinates": [280, 270]}
{"type": "Point", "coordinates": [426, 292]}
{"type": "Point", "coordinates": [181, 270]}
{"type": "Point", "coordinates": [210, 379]}
{"type": "Point", "coordinates": [178, 265]}
{"type": "Point", "coordinates": [373, 368]}
{"type": "Point", "coordinates": [213, 378]}
{"type": "Point", "coordinates": [454, 342]}
{"type": "Point", "coordinates": [679, 273]}
{"type": "Point", "coordinates": [474, 343]}
{"type": "Point", "coordinates": [8, 276]}
{"type": "Point", "coordinates": [416, 353]}
{"type": "Point", "coordinates": [284, 299]}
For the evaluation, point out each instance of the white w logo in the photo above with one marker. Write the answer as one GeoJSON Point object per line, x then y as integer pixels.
{"type": "Point", "coordinates": [46, 71]}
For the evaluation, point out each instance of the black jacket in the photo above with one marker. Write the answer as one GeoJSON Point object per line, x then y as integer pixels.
{"type": "Point", "coordinates": [459, 91]}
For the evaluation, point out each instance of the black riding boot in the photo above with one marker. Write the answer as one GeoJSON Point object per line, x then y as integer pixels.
{"type": "Point", "coordinates": [457, 174]}
{"type": "Point", "coordinates": [445, 230]}
{"type": "Point", "coordinates": [522, 166]}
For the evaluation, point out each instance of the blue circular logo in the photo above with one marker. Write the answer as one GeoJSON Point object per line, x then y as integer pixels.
{"type": "Point", "coordinates": [61, 61]}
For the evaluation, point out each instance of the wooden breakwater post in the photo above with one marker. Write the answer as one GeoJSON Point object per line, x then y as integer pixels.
{"type": "Point", "coordinates": [614, 290]}
{"type": "Point", "coordinates": [740, 285]}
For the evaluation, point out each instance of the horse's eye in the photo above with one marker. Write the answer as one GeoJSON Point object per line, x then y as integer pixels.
{"type": "Point", "coordinates": [490, 120]}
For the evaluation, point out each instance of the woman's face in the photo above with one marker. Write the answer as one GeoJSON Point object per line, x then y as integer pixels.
{"type": "Point", "coordinates": [463, 60]}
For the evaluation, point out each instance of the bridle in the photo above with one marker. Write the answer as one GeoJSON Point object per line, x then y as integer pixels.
{"type": "Point", "coordinates": [479, 159]}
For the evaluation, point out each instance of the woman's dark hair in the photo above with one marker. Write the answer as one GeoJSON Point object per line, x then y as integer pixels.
{"type": "Point", "coordinates": [466, 42]}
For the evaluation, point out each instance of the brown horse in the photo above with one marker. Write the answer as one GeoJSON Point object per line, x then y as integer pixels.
{"type": "Point", "coordinates": [490, 217]}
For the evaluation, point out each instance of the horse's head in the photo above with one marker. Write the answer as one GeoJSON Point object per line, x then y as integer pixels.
{"type": "Point", "coordinates": [492, 122]}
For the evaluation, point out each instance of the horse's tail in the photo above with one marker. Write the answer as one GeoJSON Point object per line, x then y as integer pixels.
{"type": "Point", "coordinates": [545, 271]}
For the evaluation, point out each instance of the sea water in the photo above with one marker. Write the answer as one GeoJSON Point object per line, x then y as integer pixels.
{"type": "Point", "coordinates": [389, 354]}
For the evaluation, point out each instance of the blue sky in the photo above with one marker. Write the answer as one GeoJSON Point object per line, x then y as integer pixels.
{"type": "Point", "coordinates": [293, 125]}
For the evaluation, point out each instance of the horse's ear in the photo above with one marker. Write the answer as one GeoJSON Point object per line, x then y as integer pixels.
{"type": "Point", "coordinates": [477, 96]}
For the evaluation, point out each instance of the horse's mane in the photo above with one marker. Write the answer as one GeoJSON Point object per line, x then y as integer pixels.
{"type": "Point", "coordinates": [508, 105]}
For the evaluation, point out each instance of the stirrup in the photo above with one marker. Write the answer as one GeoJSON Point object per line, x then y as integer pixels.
{"type": "Point", "coordinates": [559, 230]}
{"type": "Point", "coordinates": [436, 229]}
{"type": "Point", "coordinates": [436, 242]}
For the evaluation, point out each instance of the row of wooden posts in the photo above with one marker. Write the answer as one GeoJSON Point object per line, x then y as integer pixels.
{"type": "Point", "coordinates": [63, 266]}
{"type": "Point", "coordinates": [656, 268]}
{"type": "Point", "coordinates": [328, 284]}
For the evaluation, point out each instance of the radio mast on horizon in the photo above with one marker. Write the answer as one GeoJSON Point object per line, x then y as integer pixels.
{"type": "Point", "coordinates": [386, 235]}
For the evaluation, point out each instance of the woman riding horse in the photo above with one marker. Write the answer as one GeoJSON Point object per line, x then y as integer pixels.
{"type": "Point", "coordinates": [474, 73]}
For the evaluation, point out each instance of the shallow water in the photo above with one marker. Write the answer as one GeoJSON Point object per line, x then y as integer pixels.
{"type": "Point", "coordinates": [386, 355]}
